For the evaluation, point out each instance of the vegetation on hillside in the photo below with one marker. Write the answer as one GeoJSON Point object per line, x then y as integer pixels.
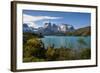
{"type": "Point", "coordinates": [86, 31]}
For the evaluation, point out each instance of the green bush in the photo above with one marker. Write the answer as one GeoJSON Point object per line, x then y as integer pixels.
{"type": "Point", "coordinates": [66, 54]}
{"type": "Point", "coordinates": [32, 59]}
{"type": "Point", "coordinates": [27, 59]}
{"type": "Point", "coordinates": [50, 53]}
{"type": "Point", "coordinates": [33, 47]}
{"type": "Point", "coordinates": [34, 42]}
{"type": "Point", "coordinates": [85, 54]}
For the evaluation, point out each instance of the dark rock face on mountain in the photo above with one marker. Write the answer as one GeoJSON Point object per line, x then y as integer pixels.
{"type": "Point", "coordinates": [53, 29]}
{"type": "Point", "coordinates": [25, 25]}
{"type": "Point", "coordinates": [26, 28]}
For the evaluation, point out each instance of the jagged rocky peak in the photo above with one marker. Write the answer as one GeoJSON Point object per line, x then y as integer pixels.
{"type": "Point", "coordinates": [62, 27]}
{"type": "Point", "coordinates": [26, 28]}
{"type": "Point", "coordinates": [54, 25]}
{"type": "Point", "coordinates": [66, 27]}
{"type": "Point", "coordinates": [46, 25]}
{"type": "Point", "coordinates": [25, 25]}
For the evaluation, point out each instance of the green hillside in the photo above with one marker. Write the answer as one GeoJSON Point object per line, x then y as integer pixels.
{"type": "Point", "coordinates": [85, 31]}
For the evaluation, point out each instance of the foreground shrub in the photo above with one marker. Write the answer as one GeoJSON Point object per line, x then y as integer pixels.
{"type": "Point", "coordinates": [32, 59]}
{"type": "Point", "coordinates": [85, 54]}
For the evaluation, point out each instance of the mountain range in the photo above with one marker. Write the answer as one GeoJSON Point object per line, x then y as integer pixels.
{"type": "Point", "coordinates": [53, 29]}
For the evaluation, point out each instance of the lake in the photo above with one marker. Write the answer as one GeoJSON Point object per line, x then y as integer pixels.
{"type": "Point", "coordinates": [73, 42]}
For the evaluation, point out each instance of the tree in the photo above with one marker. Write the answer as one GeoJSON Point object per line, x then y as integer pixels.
{"type": "Point", "coordinates": [34, 47]}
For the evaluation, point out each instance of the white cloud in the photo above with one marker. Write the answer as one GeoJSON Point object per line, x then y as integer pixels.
{"type": "Point", "coordinates": [30, 20]}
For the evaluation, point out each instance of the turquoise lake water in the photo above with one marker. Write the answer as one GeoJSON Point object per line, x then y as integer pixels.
{"type": "Point", "coordinates": [67, 41]}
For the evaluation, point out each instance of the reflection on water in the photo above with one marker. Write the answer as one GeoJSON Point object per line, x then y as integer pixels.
{"type": "Point", "coordinates": [74, 42]}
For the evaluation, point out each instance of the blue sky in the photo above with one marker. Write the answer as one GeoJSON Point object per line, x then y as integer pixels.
{"type": "Point", "coordinates": [37, 18]}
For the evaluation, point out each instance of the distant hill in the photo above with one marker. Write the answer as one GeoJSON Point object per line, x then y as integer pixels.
{"type": "Point", "coordinates": [85, 31]}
